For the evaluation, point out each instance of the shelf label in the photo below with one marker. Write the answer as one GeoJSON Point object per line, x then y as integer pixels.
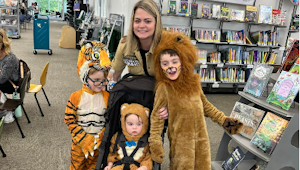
{"type": "Point", "coordinates": [215, 85]}
{"type": "Point", "coordinates": [281, 48]}
{"type": "Point", "coordinates": [220, 65]}
{"type": "Point", "coordinates": [249, 66]}
{"type": "Point", "coordinates": [203, 66]}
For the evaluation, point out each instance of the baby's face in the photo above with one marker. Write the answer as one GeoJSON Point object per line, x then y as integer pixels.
{"type": "Point", "coordinates": [171, 65]}
{"type": "Point", "coordinates": [134, 125]}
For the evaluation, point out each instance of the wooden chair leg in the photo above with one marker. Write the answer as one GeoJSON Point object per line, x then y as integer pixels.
{"type": "Point", "coordinates": [23, 136]}
{"type": "Point", "coordinates": [3, 153]}
{"type": "Point", "coordinates": [38, 104]}
{"type": "Point", "coordinates": [46, 97]}
{"type": "Point", "coordinates": [25, 113]}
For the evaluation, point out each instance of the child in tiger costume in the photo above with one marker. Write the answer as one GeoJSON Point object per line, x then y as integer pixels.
{"type": "Point", "coordinates": [84, 114]}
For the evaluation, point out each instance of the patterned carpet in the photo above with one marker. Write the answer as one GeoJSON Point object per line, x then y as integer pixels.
{"type": "Point", "coordinates": [48, 141]}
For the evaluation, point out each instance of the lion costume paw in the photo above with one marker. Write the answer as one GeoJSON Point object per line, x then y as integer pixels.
{"type": "Point", "coordinates": [157, 152]}
{"type": "Point", "coordinates": [232, 125]}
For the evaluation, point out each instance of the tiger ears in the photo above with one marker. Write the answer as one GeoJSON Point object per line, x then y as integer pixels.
{"type": "Point", "coordinates": [124, 106]}
{"type": "Point", "coordinates": [147, 111]}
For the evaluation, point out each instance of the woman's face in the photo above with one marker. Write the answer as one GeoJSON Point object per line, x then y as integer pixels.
{"type": "Point", "coordinates": [143, 24]}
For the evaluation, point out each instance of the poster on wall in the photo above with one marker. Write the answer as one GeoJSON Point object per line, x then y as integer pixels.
{"type": "Point", "coordinates": [240, 2]}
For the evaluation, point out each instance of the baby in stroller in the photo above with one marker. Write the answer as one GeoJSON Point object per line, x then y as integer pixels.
{"type": "Point", "coordinates": [130, 148]}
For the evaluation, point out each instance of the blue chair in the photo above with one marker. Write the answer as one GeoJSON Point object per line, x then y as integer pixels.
{"type": "Point", "coordinates": [28, 19]}
{"type": "Point", "coordinates": [22, 21]}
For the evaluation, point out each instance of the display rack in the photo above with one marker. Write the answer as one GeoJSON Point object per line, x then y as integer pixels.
{"type": "Point", "coordinates": [10, 20]}
{"type": "Point", "coordinates": [235, 86]}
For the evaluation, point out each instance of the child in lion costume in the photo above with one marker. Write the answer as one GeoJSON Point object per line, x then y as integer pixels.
{"type": "Point", "coordinates": [179, 89]}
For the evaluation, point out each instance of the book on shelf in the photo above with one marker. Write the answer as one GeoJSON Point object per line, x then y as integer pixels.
{"type": "Point", "coordinates": [295, 68]}
{"type": "Point", "coordinates": [185, 30]}
{"type": "Point", "coordinates": [214, 57]}
{"type": "Point", "coordinates": [289, 43]}
{"type": "Point", "coordinates": [207, 74]}
{"type": "Point", "coordinates": [295, 22]}
{"type": "Point", "coordinates": [207, 35]}
{"type": "Point", "coordinates": [258, 79]}
{"type": "Point", "coordinates": [265, 14]}
{"type": "Point", "coordinates": [250, 116]}
{"type": "Point", "coordinates": [230, 74]}
{"type": "Point", "coordinates": [291, 56]}
{"type": "Point", "coordinates": [234, 159]}
{"type": "Point", "coordinates": [172, 7]}
{"type": "Point", "coordinates": [215, 11]}
{"type": "Point", "coordinates": [235, 36]}
{"type": "Point", "coordinates": [205, 11]}
{"type": "Point", "coordinates": [276, 16]}
{"type": "Point", "coordinates": [251, 13]}
{"type": "Point", "coordinates": [202, 54]}
{"type": "Point", "coordinates": [237, 15]}
{"type": "Point", "coordinates": [183, 7]}
{"type": "Point", "coordinates": [194, 9]}
{"type": "Point", "coordinates": [224, 12]}
{"type": "Point", "coordinates": [269, 132]}
{"type": "Point", "coordinates": [284, 90]}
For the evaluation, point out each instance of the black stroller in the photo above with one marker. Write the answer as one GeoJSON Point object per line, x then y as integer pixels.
{"type": "Point", "coordinates": [131, 89]}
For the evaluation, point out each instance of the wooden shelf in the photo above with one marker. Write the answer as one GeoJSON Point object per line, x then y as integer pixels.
{"type": "Point", "coordinates": [263, 103]}
{"type": "Point", "coordinates": [244, 165]}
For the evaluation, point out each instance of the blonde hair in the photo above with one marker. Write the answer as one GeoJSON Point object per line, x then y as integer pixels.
{"type": "Point", "coordinates": [150, 7]}
{"type": "Point", "coordinates": [4, 42]}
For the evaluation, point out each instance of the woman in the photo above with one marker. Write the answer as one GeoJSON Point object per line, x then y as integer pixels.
{"type": "Point", "coordinates": [135, 50]}
{"type": "Point", "coordinates": [9, 65]}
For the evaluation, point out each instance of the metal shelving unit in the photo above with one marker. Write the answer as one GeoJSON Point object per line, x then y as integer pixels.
{"type": "Point", "coordinates": [16, 17]}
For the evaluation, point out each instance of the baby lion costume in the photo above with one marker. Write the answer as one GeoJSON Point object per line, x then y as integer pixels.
{"type": "Point", "coordinates": [140, 152]}
{"type": "Point", "coordinates": [188, 107]}
{"type": "Point", "coordinates": [84, 114]}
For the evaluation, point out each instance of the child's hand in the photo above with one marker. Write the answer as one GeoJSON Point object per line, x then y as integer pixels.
{"type": "Point", "coordinates": [232, 125]}
{"type": "Point", "coordinates": [109, 166]}
{"type": "Point", "coordinates": [88, 146]}
{"type": "Point", "coordinates": [163, 113]}
{"type": "Point", "coordinates": [98, 139]}
{"type": "Point", "coordinates": [142, 168]}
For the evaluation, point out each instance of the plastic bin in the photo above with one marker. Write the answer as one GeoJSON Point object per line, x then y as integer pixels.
{"type": "Point", "coordinates": [41, 38]}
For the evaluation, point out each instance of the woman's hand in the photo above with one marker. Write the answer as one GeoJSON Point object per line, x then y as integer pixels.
{"type": "Point", "coordinates": [115, 75]}
{"type": "Point", "coordinates": [163, 113]}
{"type": "Point", "coordinates": [142, 168]}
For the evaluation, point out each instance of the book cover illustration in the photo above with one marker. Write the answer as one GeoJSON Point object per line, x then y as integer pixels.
{"type": "Point", "coordinates": [276, 14]}
{"type": "Point", "coordinates": [295, 68]}
{"type": "Point", "coordinates": [237, 15]}
{"type": "Point", "coordinates": [291, 57]}
{"type": "Point", "coordinates": [224, 12]}
{"type": "Point", "coordinates": [265, 14]}
{"type": "Point", "coordinates": [269, 132]}
{"type": "Point", "coordinates": [233, 159]}
{"type": "Point", "coordinates": [250, 116]}
{"type": "Point", "coordinates": [172, 7]}
{"type": "Point", "coordinates": [205, 11]}
{"type": "Point", "coordinates": [183, 7]}
{"type": "Point", "coordinates": [215, 11]}
{"type": "Point", "coordinates": [258, 79]}
{"type": "Point", "coordinates": [285, 90]}
{"type": "Point", "coordinates": [251, 13]}
{"type": "Point", "coordinates": [295, 22]}
{"type": "Point", "coordinates": [194, 10]}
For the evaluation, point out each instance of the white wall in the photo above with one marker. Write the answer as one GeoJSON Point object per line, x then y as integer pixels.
{"type": "Point", "coordinates": [125, 7]}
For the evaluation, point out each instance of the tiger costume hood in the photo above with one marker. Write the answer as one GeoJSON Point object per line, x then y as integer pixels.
{"type": "Point", "coordinates": [92, 55]}
{"type": "Point", "coordinates": [186, 80]}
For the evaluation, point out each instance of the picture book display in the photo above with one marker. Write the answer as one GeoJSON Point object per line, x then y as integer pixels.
{"type": "Point", "coordinates": [295, 22]}
{"type": "Point", "coordinates": [215, 11]}
{"type": "Point", "coordinates": [172, 7]}
{"type": "Point", "coordinates": [250, 116]}
{"type": "Point", "coordinates": [251, 13]}
{"type": "Point", "coordinates": [269, 132]}
{"type": "Point", "coordinates": [291, 56]}
{"type": "Point", "coordinates": [237, 15]}
{"type": "Point", "coordinates": [194, 10]}
{"type": "Point", "coordinates": [265, 14]}
{"type": "Point", "coordinates": [205, 11]}
{"type": "Point", "coordinates": [224, 12]}
{"type": "Point", "coordinates": [183, 7]}
{"type": "Point", "coordinates": [233, 159]}
{"type": "Point", "coordinates": [295, 68]}
{"type": "Point", "coordinates": [258, 79]}
{"type": "Point", "coordinates": [276, 16]}
{"type": "Point", "coordinates": [285, 90]}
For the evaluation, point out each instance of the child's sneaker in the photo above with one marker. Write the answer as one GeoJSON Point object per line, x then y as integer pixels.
{"type": "Point", "coordinates": [9, 118]}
